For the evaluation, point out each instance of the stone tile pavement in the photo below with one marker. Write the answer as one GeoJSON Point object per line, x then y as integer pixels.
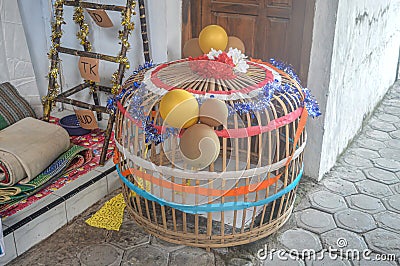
{"type": "Point", "coordinates": [354, 213]}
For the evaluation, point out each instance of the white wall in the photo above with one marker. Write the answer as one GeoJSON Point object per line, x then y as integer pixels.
{"type": "Point", "coordinates": [16, 66]}
{"type": "Point", "coordinates": [162, 19]}
{"type": "Point", "coordinates": [362, 67]}
{"type": "Point", "coordinates": [318, 80]}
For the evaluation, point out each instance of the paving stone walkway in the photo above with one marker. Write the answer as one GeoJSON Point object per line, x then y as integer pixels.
{"type": "Point", "coordinates": [354, 213]}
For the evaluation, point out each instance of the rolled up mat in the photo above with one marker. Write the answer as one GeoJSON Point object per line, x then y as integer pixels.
{"type": "Point", "coordinates": [75, 157]}
{"type": "Point", "coordinates": [28, 147]}
{"type": "Point", "coordinates": [11, 169]}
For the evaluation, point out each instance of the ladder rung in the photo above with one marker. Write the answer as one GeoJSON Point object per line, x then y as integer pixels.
{"type": "Point", "coordinates": [92, 107]}
{"type": "Point", "coordinates": [75, 52]}
{"type": "Point", "coordinates": [104, 88]}
{"type": "Point", "coordinates": [74, 90]}
{"type": "Point", "coordinates": [95, 6]}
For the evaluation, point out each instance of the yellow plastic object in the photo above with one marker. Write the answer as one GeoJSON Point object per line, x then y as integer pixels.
{"type": "Point", "coordinates": [110, 215]}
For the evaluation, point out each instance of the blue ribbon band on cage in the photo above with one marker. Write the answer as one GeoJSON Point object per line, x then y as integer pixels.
{"type": "Point", "coordinates": [215, 207]}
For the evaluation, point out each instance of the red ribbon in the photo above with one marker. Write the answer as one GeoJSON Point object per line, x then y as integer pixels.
{"type": "Point", "coordinates": [237, 132]}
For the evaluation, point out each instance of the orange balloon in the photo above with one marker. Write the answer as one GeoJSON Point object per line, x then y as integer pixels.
{"type": "Point", "coordinates": [213, 36]}
{"type": "Point", "coordinates": [192, 48]}
{"type": "Point", "coordinates": [200, 146]}
{"type": "Point", "coordinates": [235, 42]}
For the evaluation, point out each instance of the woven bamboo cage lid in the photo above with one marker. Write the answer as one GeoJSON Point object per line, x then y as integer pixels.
{"type": "Point", "coordinates": [207, 77]}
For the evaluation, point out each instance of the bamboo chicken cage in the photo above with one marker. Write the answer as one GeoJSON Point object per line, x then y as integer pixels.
{"type": "Point", "coordinates": [248, 191]}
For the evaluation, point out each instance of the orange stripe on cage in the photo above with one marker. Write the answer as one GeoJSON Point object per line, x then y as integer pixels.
{"type": "Point", "coordinates": [243, 190]}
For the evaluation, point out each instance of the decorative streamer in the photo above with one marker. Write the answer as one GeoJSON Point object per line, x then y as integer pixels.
{"type": "Point", "coordinates": [82, 35]}
{"type": "Point", "coordinates": [111, 101]}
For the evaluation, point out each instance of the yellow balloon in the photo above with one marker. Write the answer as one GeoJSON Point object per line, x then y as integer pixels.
{"type": "Point", "coordinates": [213, 36]}
{"type": "Point", "coordinates": [179, 109]}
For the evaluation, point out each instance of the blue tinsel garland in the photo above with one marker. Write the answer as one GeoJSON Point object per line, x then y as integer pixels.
{"type": "Point", "coordinates": [310, 102]}
{"type": "Point", "coordinates": [111, 101]}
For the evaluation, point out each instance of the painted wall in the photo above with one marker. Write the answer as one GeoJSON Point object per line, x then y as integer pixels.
{"type": "Point", "coordinates": [362, 67]}
{"type": "Point", "coordinates": [163, 23]}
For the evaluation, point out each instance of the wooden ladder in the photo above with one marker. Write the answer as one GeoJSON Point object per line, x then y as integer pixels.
{"type": "Point", "coordinates": [53, 94]}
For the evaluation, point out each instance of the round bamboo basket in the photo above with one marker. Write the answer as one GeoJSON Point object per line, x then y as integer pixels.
{"type": "Point", "coordinates": [248, 192]}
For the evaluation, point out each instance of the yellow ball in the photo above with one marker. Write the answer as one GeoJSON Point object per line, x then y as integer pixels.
{"type": "Point", "coordinates": [213, 36]}
{"type": "Point", "coordinates": [179, 109]}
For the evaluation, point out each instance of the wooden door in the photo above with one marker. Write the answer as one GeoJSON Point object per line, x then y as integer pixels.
{"type": "Point", "coordinates": [279, 29]}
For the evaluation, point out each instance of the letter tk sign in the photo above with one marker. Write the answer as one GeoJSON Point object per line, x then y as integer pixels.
{"type": "Point", "coordinates": [89, 68]}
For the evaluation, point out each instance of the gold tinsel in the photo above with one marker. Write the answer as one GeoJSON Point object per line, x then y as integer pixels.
{"type": "Point", "coordinates": [82, 35]}
{"type": "Point", "coordinates": [83, 32]}
{"type": "Point", "coordinates": [128, 27]}
{"type": "Point", "coordinates": [123, 60]}
{"type": "Point", "coordinates": [56, 34]}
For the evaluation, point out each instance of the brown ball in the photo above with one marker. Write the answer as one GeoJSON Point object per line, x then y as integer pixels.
{"type": "Point", "coordinates": [192, 48]}
{"type": "Point", "coordinates": [200, 146]}
{"type": "Point", "coordinates": [235, 42]}
{"type": "Point", "coordinates": [213, 112]}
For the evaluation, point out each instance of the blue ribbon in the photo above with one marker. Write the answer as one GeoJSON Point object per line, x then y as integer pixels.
{"type": "Point", "coordinates": [206, 208]}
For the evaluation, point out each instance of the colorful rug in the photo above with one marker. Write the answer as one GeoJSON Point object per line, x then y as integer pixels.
{"type": "Point", "coordinates": [74, 157]}
{"type": "Point", "coordinates": [109, 216]}
{"type": "Point", "coordinates": [93, 141]}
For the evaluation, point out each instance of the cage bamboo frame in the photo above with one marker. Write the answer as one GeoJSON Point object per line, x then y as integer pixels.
{"type": "Point", "coordinates": [212, 229]}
